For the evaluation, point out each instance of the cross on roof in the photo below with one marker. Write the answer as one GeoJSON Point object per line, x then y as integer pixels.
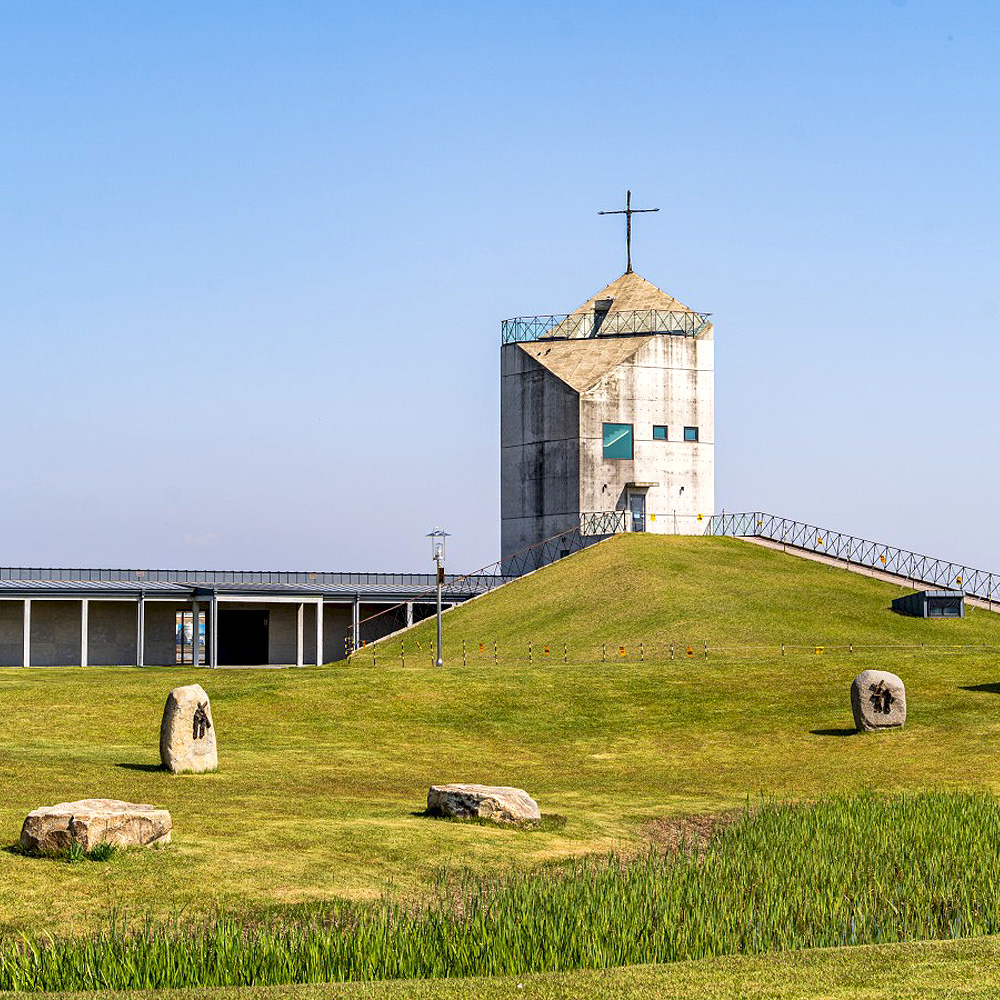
{"type": "Point", "coordinates": [628, 211]}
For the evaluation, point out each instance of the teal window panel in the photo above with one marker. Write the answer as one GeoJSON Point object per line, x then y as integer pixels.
{"type": "Point", "coordinates": [618, 441]}
{"type": "Point", "coordinates": [659, 432]}
{"type": "Point", "coordinates": [690, 433]}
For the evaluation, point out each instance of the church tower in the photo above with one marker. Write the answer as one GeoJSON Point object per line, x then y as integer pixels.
{"type": "Point", "coordinates": [610, 408]}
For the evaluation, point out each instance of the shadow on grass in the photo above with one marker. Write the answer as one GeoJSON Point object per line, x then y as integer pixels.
{"type": "Point", "coordinates": [142, 767]}
{"type": "Point", "coordinates": [986, 688]}
{"type": "Point", "coordinates": [833, 732]}
{"type": "Point", "coordinates": [548, 823]}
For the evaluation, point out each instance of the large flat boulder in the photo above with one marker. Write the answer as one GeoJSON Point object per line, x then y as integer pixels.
{"type": "Point", "coordinates": [89, 822]}
{"type": "Point", "coordinates": [878, 700]}
{"type": "Point", "coordinates": [187, 732]}
{"type": "Point", "coordinates": [496, 802]}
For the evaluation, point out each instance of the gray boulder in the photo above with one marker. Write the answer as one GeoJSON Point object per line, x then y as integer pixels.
{"type": "Point", "coordinates": [187, 732]}
{"type": "Point", "coordinates": [496, 802]}
{"type": "Point", "coordinates": [89, 822]}
{"type": "Point", "coordinates": [878, 700]}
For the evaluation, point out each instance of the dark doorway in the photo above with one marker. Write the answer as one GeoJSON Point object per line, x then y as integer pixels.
{"type": "Point", "coordinates": [243, 638]}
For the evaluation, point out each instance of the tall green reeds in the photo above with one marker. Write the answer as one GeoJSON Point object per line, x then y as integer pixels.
{"type": "Point", "coordinates": [845, 871]}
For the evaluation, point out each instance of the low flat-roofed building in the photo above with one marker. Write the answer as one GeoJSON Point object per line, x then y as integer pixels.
{"type": "Point", "coordinates": [67, 617]}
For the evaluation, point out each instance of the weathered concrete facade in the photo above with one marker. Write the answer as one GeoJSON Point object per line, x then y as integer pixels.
{"type": "Point", "coordinates": [631, 361]}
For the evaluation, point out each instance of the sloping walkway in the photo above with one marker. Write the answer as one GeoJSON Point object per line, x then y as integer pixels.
{"type": "Point", "coordinates": [875, 574]}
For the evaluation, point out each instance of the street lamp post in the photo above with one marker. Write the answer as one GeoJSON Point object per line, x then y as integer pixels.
{"type": "Point", "coordinates": [437, 537]}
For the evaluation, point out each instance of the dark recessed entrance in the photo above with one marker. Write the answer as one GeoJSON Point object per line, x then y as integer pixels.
{"type": "Point", "coordinates": [243, 638]}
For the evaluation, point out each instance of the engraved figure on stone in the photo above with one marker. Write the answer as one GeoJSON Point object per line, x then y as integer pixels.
{"type": "Point", "coordinates": [881, 698]}
{"type": "Point", "coordinates": [201, 723]}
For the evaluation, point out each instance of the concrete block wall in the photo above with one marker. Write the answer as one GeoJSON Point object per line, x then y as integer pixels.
{"type": "Point", "coordinates": [11, 633]}
{"type": "Point", "coordinates": [113, 633]}
{"type": "Point", "coordinates": [56, 632]}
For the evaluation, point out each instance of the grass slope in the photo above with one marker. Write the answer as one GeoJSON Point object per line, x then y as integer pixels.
{"type": "Point", "coordinates": [663, 589]}
{"type": "Point", "coordinates": [323, 770]}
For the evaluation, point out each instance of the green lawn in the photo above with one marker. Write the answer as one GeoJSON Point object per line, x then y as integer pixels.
{"type": "Point", "coordinates": [323, 771]}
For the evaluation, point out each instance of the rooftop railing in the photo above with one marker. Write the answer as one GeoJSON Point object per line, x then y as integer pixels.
{"type": "Point", "coordinates": [577, 326]}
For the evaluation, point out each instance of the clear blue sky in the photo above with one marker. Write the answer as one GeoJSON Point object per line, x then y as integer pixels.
{"type": "Point", "coordinates": [256, 255]}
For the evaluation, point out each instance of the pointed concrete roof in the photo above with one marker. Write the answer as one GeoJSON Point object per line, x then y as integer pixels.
{"type": "Point", "coordinates": [581, 364]}
{"type": "Point", "coordinates": [632, 292]}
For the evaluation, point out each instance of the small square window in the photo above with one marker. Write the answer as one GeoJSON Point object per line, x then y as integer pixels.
{"type": "Point", "coordinates": [618, 441]}
{"type": "Point", "coordinates": [690, 433]}
{"type": "Point", "coordinates": [659, 433]}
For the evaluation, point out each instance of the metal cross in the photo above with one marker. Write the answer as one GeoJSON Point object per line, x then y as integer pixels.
{"type": "Point", "coordinates": [628, 211]}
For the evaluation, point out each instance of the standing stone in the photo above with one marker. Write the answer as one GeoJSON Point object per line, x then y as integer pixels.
{"type": "Point", "coordinates": [89, 822]}
{"type": "Point", "coordinates": [878, 700]}
{"type": "Point", "coordinates": [187, 734]}
{"type": "Point", "coordinates": [496, 802]}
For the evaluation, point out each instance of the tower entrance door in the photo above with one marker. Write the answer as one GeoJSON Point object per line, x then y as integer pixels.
{"type": "Point", "coordinates": [637, 508]}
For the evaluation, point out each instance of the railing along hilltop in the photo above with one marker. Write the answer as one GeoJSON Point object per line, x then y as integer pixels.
{"type": "Point", "coordinates": [860, 552]}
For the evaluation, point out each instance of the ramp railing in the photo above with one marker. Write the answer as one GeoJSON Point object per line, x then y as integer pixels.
{"type": "Point", "coordinates": [913, 566]}
{"type": "Point", "coordinates": [592, 528]}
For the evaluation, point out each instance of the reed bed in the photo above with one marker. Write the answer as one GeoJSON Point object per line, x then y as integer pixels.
{"type": "Point", "coordinates": [844, 871]}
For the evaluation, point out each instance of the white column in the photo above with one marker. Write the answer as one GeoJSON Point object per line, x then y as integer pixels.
{"type": "Point", "coordinates": [213, 634]}
{"type": "Point", "coordinates": [300, 622]}
{"type": "Point", "coordinates": [84, 631]}
{"type": "Point", "coordinates": [319, 632]}
{"type": "Point", "coordinates": [409, 613]}
{"type": "Point", "coordinates": [26, 654]}
{"type": "Point", "coordinates": [195, 649]}
{"type": "Point", "coordinates": [140, 632]}
{"type": "Point", "coordinates": [356, 624]}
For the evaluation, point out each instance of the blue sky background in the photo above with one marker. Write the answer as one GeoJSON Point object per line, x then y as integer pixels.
{"type": "Point", "coordinates": [256, 255]}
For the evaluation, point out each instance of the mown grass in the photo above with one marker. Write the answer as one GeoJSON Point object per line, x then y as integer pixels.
{"type": "Point", "coordinates": [861, 869]}
{"type": "Point", "coordinates": [323, 772]}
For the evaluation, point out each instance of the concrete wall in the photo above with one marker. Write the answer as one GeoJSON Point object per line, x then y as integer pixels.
{"type": "Point", "coordinates": [55, 633]}
{"type": "Point", "coordinates": [539, 452]}
{"type": "Point", "coordinates": [113, 632]}
{"type": "Point", "coordinates": [11, 633]}
{"type": "Point", "coordinates": [161, 632]}
{"type": "Point", "coordinates": [670, 381]}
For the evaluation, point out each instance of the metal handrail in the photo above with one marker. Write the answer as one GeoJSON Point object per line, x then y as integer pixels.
{"type": "Point", "coordinates": [592, 528]}
{"type": "Point", "coordinates": [675, 322]}
{"type": "Point", "coordinates": [913, 566]}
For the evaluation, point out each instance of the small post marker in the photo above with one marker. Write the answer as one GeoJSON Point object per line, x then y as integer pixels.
{"type": "Point", "coordinates": [529, 653]}
{"type": "Point", "coordinates": [604, 652]}
{"type": "Point", "coordinates": [463, 652]}
{"type": "Point", "coordinates": [494, 654]}
{"type": "Point", "coordinates": [621, 650]}
{"type": "Point", "coordinates": [564, 654]}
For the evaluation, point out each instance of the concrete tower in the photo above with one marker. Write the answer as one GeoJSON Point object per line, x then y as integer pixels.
{"type": "Point", "coordinates": [609, 408]}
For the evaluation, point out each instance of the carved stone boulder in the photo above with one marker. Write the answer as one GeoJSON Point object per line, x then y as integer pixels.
{"type": "Point", "coordinates": [878, 700]}
{"type": "Point", "coordinates": [187, 732]}
{"type": "Point", "coordinates": [496, 802]}
{"type": "Point", "coordinates": [89, 822]}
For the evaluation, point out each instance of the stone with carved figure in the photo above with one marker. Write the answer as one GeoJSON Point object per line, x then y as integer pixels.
{"type": "Point", "coordinates": [878, 701]}
{"type": "Point", "coordinates": [187, 732]}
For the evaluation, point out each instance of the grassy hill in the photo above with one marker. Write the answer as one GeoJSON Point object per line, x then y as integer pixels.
{"type": "Point", "coordinates": [663, 589]}
{"type": "Point", "coordinates": [324, 771]}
